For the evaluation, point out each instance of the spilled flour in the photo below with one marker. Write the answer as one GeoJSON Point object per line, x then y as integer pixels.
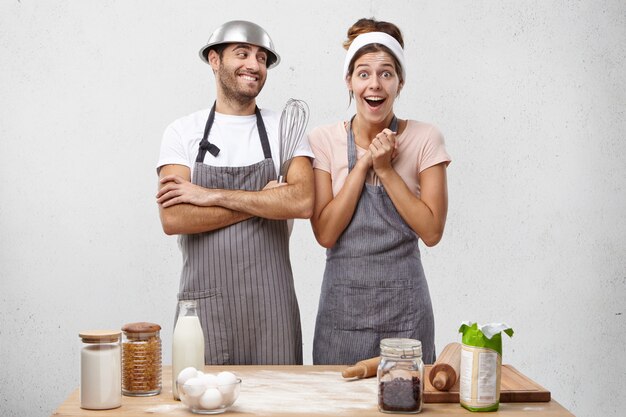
{"type": "Point", "coordinates": [324, 393]}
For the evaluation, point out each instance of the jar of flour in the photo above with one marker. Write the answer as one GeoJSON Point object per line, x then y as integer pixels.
{"type": "Point", "coordinates": [100, 370]}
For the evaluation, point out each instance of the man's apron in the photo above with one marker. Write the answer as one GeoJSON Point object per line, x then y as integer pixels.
{"type": "Point", "coordinates": [241, 274]}
{"type": "Point", "coordinates": [374, 285]}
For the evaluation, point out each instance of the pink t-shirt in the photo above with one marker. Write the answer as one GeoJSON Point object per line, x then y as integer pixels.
{"type": "Point", "coordinates": [420, 146]}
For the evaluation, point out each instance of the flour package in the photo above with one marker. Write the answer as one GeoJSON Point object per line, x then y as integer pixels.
{"type": "Point", "coordinates": [481, 362]}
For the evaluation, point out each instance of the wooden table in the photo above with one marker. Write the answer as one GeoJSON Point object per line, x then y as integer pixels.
{"type": "Point", "coordinates": [294, 391]}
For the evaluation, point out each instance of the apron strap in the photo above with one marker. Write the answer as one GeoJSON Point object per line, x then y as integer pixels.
{"type": "Point", "coordinates": [393, 126]}
{"type": "Point", "coordinates": [265, 143]}
{"type": "Point", "coordinates": [205, 145]}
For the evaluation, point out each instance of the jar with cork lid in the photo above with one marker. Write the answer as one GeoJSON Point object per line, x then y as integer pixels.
{"type": "Point", "coordinates": [400, 376]}
{"type": "Point", "coordinates": [141, 359]}
{"type": "Point", "coordinates": [100, 370]}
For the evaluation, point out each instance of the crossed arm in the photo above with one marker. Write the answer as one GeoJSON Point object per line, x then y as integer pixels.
{"type": "Point", "coordinates": [187, 208]}
{"type": "Point", "coordinates": [425, 215]}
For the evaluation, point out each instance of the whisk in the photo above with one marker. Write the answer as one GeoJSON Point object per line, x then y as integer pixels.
{"type": "Point", "coordinates": [293, 122]}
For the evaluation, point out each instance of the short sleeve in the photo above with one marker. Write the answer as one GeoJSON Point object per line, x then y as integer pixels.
{"type": "Point", "coordinates": [304, 149]}
{"type": "Point", "coordinates": [320, 149]}
{"type": "Point", "coordinates": [434, 150]}
{"type": "Point", "coordinates": [173, 150]}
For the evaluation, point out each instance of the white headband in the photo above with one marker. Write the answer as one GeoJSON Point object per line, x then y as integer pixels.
{"type": "Point", "coordinates": [374, 37]}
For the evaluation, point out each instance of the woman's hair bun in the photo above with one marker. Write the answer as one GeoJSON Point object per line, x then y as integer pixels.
{"type": "Point", "coordinates": [365, 25]}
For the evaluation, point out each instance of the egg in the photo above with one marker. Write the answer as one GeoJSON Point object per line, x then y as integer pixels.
{"type": "Point", "coordinates": [186, 374]}
{"type": "Point", "coordinates": [210, 380]}
{"type": "Point", "coordinates": [229, 398]}
{"type": "Point", "coordinates": [191, 402]}
{"type": "Point", "coordinates": [194, 387]}
{"type": "Point", "coordinates": [211, 399]}
{"type": "Point", "coordinates": [226, 381]}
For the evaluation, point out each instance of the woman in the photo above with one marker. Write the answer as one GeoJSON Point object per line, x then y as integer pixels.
{"type": "Point", "coordinates": [380, 185]}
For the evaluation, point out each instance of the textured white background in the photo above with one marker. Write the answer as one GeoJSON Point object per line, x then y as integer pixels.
{"type": "Point", "coordinates": [531, 98]}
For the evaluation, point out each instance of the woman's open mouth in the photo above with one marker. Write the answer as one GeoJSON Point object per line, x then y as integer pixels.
{"type": "Point", "coordinates": [374, 101]}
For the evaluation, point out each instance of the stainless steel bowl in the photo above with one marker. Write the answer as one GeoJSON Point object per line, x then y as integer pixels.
{"type": "Point", "coordinates": [241, 31]}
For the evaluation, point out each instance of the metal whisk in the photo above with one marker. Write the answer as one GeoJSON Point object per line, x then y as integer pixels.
{"type": "Point", "coordinates": [293, 122]}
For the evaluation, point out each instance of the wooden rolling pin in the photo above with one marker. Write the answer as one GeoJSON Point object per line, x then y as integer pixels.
{"type": "Point", "coordinates": [362, 369]}
{"type": "Point", "coordinates": [445, 370]}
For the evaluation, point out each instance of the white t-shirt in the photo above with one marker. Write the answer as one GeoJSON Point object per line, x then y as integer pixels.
{"type": "Point", "coordinates": [236, 136]}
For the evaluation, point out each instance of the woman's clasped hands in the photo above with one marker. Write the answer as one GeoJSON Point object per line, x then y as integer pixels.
{"type": "Point", "coordinates": [381, 152]}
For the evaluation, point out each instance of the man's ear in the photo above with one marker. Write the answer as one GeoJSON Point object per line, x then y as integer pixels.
{"type": "Point", "coordinates": [214, 59]}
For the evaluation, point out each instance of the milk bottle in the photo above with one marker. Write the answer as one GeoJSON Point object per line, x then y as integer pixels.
{"type": "Point", "coordinates": [187, 342]}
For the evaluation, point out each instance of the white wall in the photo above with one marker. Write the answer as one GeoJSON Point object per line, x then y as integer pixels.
{"type": "Point", "coordinates": [530, 96]}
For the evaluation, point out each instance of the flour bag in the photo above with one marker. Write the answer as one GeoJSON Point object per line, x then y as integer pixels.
{"type": "Point", "coordinates": [481, 362]}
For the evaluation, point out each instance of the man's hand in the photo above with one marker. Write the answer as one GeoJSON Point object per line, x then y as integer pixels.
{"type": "Point", "coordinates": [177, 190]}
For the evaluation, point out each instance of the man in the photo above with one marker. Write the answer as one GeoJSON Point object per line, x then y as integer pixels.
{"type": "Point", "coordinates": [217, 172]}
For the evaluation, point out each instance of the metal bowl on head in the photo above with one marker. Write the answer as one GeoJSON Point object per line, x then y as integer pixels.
{"type": "Point", "coordinates": [242, 31]}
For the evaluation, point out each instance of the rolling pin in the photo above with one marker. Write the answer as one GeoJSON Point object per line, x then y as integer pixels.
{"type": "Point", "coordinates": [362, 369]}
{"type": "Point", "coordinates": [445, 370]}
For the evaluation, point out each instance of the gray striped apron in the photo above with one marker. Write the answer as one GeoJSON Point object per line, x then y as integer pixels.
{"type": "Point", "coordinates": [374, 285]}
{"type": "Point", "coordinates": [241, 274]}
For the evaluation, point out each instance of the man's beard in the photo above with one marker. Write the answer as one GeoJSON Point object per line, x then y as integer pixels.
{"type": "Point", "coordinates": [231, 88]}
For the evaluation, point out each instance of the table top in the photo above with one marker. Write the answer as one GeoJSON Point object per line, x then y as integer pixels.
{"type": "Point", "coordinates": [293, 390]}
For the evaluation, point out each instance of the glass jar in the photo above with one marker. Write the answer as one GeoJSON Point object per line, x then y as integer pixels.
{"type": "Point", "coordinates": [100, 370]}
{"type": "Point", "coordinates": [141, 359]}
{"type": "Point", "coordinates": [400, 376]}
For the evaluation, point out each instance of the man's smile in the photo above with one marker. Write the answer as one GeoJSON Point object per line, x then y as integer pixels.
{"type": "Point", "coordinates": [248, 77]}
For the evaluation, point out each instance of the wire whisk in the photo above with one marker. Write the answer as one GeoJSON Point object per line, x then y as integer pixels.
{"type": "Point", "coordinates": [293, 122]}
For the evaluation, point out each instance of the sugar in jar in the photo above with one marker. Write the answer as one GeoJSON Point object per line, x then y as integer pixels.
{"type": "Point", "coordinates": [400, 376]}
{"type": "Point", "coordinates": [141, 359]}
{"type": "Point", "coordinates": [100, 370]}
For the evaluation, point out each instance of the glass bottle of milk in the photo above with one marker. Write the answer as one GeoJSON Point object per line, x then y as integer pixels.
{"type": "Point", "coordinates": [187, 342]}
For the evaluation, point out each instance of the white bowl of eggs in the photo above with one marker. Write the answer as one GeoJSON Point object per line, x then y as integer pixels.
{"type": "Point", "coordinates": [207, 393]}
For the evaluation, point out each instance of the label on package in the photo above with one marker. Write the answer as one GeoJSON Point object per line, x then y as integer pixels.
{"type": "Point", "coordinates": [479, 384]}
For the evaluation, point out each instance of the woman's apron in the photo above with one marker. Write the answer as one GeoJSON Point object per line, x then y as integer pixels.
{"type": "Point", "coordinates": [241, 274]}
{"type": "Point", "coordinates": [374, 285]}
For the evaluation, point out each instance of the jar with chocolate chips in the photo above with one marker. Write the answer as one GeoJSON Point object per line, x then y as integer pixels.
{"type": "Point", "coordinates": [141, 359]}
{"type": "Point", "coordinates": [400, 376]}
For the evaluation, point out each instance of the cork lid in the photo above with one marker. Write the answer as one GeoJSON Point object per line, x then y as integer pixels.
{"type": "Point", "coordinates": [100, 336]}
{"type": "Point", "coordinates": [141, 327]}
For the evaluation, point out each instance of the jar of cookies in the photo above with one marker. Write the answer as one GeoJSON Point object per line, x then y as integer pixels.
{"type": "Point", "coordinates": [400, 376]}
{"type": "Point", "coordinates": [141, 359]}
